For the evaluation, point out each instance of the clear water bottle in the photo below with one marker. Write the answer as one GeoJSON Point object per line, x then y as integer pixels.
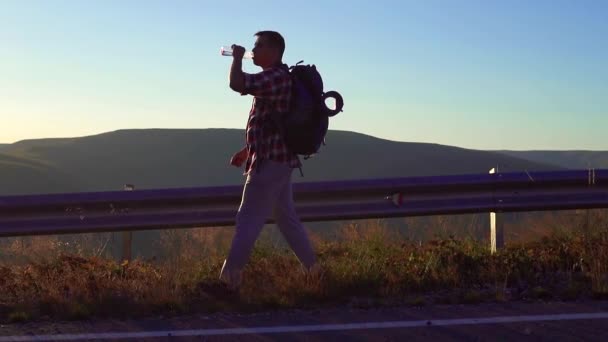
{"type": "Point", "coordinates": [227, 51]}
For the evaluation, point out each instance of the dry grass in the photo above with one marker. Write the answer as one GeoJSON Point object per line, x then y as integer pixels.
{"type": "Point", "coordinates": [368, 264]}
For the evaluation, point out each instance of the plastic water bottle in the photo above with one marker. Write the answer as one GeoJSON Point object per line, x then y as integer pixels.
{"type": "Point", "coordinates": [227, 51]}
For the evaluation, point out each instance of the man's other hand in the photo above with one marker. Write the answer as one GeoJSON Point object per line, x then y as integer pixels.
{"type": "Point", "coordinates": [239, 158]}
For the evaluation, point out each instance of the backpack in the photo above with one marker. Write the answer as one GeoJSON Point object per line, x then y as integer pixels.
{"type": "Point", "coordinates": [305, 125]}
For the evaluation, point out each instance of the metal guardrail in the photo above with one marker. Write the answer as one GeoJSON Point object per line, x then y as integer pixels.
{"type": "Point", "coordinates": [319, 201]}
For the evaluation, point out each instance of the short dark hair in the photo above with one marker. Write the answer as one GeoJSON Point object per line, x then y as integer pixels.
{"type": "Point", "coordinates": [274, 38]}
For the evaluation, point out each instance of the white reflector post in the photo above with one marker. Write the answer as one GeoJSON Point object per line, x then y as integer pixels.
{"type": "Point", "coordinates": [127, 236]}
{"type": "Point", "coordinates": [497, 238]}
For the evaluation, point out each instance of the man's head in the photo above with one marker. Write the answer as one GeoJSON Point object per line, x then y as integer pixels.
{"type": "Point", "coordinates": [268, 49]}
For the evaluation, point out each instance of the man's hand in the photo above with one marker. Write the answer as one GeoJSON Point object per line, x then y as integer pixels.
{"type": "Point", "coordinates": [239, 158]}
{"type": "Point", "coordinates": [237, 51]}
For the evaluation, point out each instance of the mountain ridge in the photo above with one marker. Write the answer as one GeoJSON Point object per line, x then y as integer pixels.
{"type": "Point", "coordinates": [168, 158]}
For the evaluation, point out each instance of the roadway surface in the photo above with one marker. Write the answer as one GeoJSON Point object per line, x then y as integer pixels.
{"type": "Point", "coordinates": [570, 321]}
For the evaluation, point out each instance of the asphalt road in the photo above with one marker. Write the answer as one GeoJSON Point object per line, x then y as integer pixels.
{"type": "Point", "coordinates": [573, 321]}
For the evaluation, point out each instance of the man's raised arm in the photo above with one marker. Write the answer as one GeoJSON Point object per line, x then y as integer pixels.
{"type": "Point", "coordinates": [237, 77]}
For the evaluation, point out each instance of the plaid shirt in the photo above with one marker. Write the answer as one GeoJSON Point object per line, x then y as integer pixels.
{"type": "Point", "coordinates": [271, 89]}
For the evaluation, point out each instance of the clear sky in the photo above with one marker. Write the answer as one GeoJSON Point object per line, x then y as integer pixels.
{"type": "Point", "coordinates": [512, 74]}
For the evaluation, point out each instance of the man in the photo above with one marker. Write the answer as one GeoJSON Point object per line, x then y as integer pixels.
{"type": "Point", "coordinates": [268, 162]}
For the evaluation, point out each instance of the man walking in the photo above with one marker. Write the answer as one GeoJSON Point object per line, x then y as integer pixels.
{"type": "Point", "coordinates": [268, 162]}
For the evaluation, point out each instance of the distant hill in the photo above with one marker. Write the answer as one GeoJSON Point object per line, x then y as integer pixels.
{"type": "Point", "coordinates": [565, 159]}
{"type": "Point", "coordinates": [21, 175]}
{"type": "Point", "coordinates": [165, 158]}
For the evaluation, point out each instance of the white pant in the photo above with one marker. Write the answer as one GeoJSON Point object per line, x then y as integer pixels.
{"type": "Point", "coordinates": [267, 191]}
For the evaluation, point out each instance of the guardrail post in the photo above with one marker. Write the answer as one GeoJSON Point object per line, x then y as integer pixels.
{"type": "Point", "coordinates": [497, 234]}
{"type": "Point", "coordinates": [127, 236]}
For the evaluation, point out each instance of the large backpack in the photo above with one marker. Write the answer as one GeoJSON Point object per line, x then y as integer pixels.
{"type": "Point", "coordinates": [305, 125]}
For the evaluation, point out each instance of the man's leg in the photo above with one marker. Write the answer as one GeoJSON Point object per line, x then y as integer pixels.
{"type": "Point", "coordinates": [259, 196]}
{"type": "Point", "coordinates": [291, 227]}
